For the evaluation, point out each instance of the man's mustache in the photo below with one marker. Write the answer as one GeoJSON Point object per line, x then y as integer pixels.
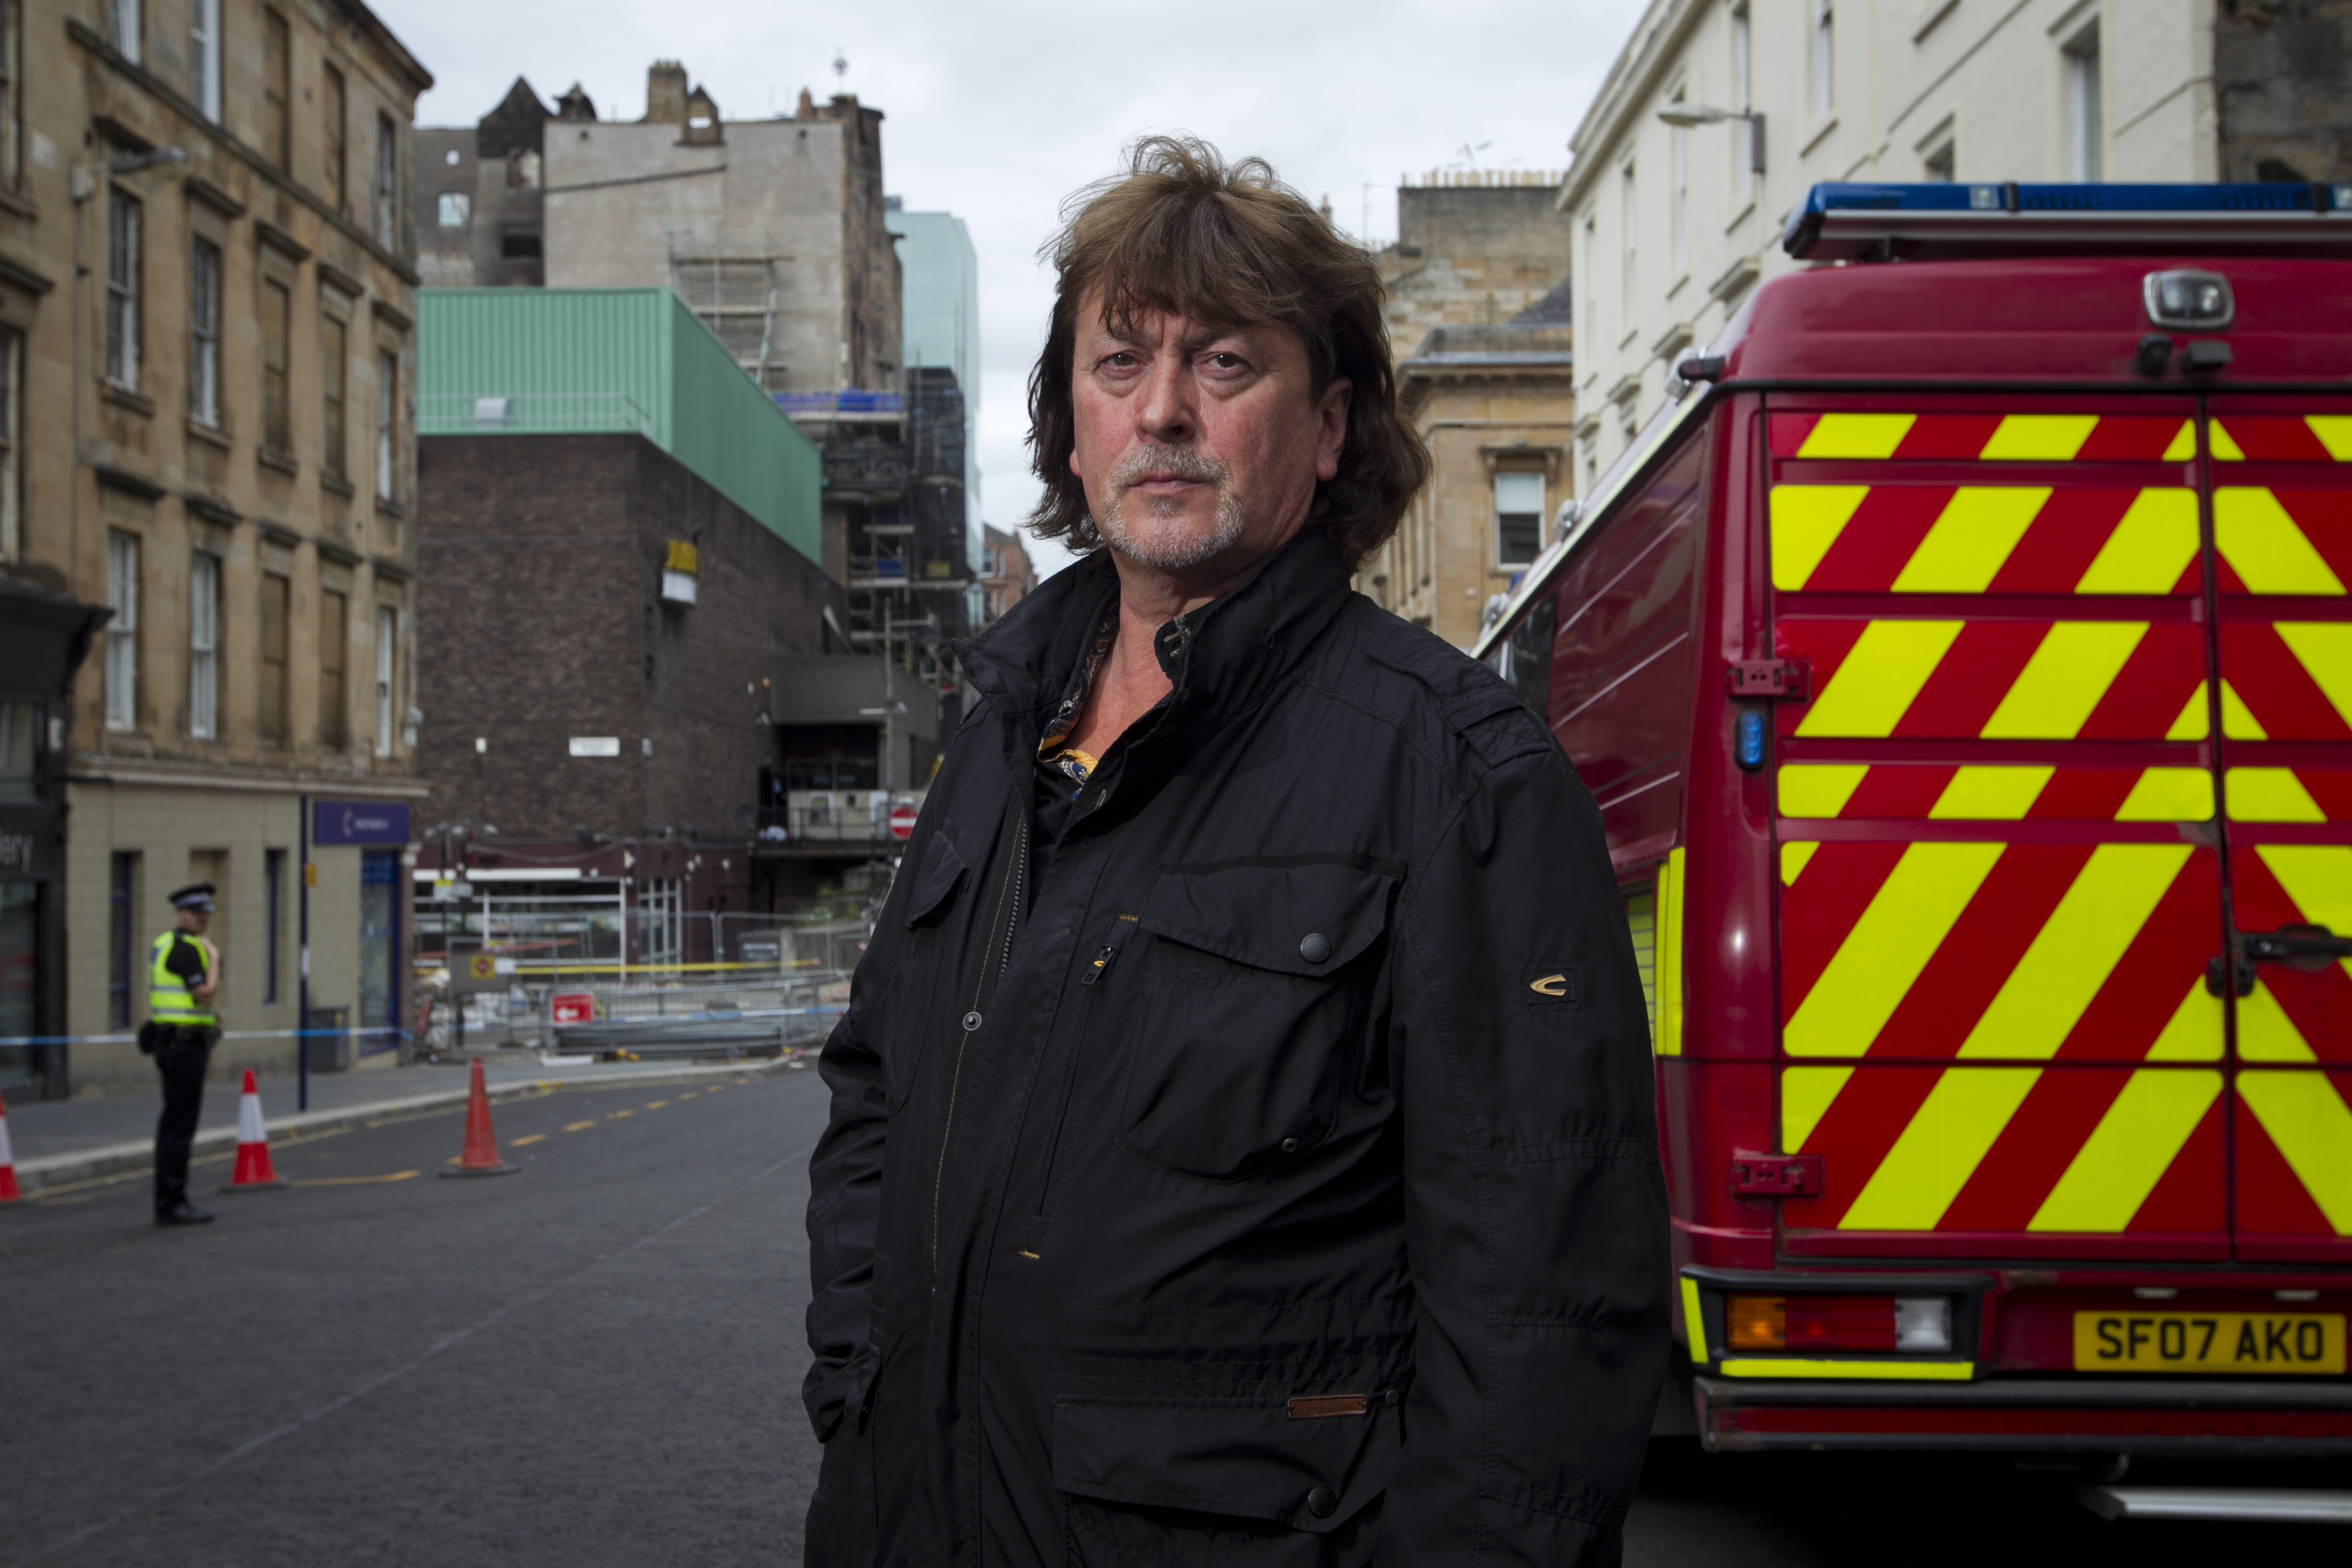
{"type": "Point", "coordinates": [1175, 463]}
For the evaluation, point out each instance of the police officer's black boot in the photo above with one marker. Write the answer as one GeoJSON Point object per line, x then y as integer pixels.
{"type": "Point", "coordinates": [183, 1212]}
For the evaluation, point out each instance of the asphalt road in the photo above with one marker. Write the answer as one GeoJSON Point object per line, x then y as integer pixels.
{"type": "Point", "coordinates": [597, 1361]}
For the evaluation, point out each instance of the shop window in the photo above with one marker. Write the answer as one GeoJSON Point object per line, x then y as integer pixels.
{"type": "Point", "coordinates": [122, 954]}
{"type": "Point", "coordinates": [20, 748]}
{"type": "Point", "coordinates": [273, 914]}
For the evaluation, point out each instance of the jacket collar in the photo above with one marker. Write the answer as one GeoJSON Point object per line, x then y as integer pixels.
{"type": "Point", "coordinates": [1223, 657]}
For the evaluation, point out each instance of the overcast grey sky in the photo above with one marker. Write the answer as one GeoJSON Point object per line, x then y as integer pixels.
{"type": "Point", "coordinates": [998, 111]}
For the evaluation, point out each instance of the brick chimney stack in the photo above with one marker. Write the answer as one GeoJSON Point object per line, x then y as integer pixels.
{"type": "Point", "coordinates": [665, 93]}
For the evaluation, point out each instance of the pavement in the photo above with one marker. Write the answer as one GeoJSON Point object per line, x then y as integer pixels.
{"type": "Point", "coordinates": [61, 1142]}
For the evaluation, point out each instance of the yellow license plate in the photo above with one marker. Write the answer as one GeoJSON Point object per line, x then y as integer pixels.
{"type": "Point", "coordinates": [2265, 1343]}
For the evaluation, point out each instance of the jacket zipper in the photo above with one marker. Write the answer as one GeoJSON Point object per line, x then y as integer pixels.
{"type": "Point", "coordinates": [1098, 971]}
{"type": "Point", "coordinates": [1008, 915]}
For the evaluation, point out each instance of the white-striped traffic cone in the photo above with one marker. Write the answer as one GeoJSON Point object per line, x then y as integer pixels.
{"type": "Point", "coordinates": [10, 1191]}
{"type": "Point", "coordinates": [254, 1169]}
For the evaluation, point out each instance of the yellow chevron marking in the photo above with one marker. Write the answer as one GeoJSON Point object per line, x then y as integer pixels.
{"type": "Point", "coordinates": [2064, 680]}
{"type": "Point", "coordinates": [2079, 946]}
{"type": "Point", "coordinates": [1990, 794]}
{"type": "Point", "coordinates": [2193, 1034]}
{"type": "Point", "coordinates": [2334, 433]}
{"type": "Point", "coordinates": [1806, 1095]}
{"type": "Point", "coordinates": [2039, 438]}
{"type": "Point", "coordinates": [2261, 542]}
{"type": "Point", "coordinates": [2152, 545]}
{"type": "Point", "coordinates": [1818, 789]}
{"type": "Point", "coordinates": [1694, 1322]}
{"type": "Point", "coordinates": [2265, 1033]}
{"type": "Point", "coordinates": [2225, 445]}
{"type": "Point", "coordinates": [1971, 537]}
{"type": "Point", "coordinates": [1947, 1139]}
{"type": "Point", "coordinates": [2325, 649]}
{"type": "Point", "coordinates": [2128, 1151]}
{"type": "Point", "coordinates": [2270, 794]}
{"type": "Point", "coordinates": [1890, 662]}
{"type": "Point", "coordinates": [1793, 857]}
{"type": "Point", "coordinates": [1666, 1038]}
{"type": "Point", "coordinates": [1857, 436]}
{"type": "Point", "coordinates": [1887, 948]}
{"type": "Point", "coordinates": [2194, 720]}
{"type": "Point", "coordinates": [2238, 721]}
{"type": "Point", "coordinates": [2319, 878]}
{"type": "Point", "coordinates": [2307, 1118]}
{"type": "Point", "coordinates": [2184, 443]}
{"type": "Point", "coordinates": [1806, 520]}
{"type": "Point", "coordinates": [2169, 795]}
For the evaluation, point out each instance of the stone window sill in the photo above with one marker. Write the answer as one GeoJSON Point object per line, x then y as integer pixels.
{"type": "Point", "coordinates": [123, 397]}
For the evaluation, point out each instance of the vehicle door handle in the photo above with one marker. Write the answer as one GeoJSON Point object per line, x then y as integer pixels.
{"type": "Point", "coordinates": [2298, 947]}
{"type": "Point", "coordinates": [2305, 947]}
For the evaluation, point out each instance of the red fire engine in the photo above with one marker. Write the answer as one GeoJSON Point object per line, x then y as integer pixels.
{"type": "Point", "coordinates": [1962, 663]}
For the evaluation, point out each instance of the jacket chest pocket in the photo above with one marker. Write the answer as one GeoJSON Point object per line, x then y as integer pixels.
{"type": "Point", "coordinates": [917, 984]}
{"type": "Point", "coordinates": [1258, 978]}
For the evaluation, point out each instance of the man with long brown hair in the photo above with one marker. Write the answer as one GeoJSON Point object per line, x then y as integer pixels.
{"type": "Point", "coordinates": [1241, 1146]}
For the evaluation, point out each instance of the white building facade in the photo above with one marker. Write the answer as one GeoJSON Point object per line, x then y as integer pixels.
{"type": "Point", "coordinates": [1675, 223]}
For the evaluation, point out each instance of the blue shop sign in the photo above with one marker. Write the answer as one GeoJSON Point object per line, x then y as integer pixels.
{"type": "Point", "coordinates": [358, 822]}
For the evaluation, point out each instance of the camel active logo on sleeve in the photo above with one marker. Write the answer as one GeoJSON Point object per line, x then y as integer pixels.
{"type": "Point", "coordinates": [1552, 985]}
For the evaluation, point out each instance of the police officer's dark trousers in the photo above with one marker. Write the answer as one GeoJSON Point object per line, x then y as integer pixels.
{"type": "Point", "coordinates": [180, 1057]}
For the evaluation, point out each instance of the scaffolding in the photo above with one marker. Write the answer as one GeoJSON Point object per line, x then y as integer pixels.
{"type": "Point", "coordinates": [734, 291]}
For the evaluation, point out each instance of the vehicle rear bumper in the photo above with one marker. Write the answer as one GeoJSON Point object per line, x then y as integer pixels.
{"type": "Point", "coordinates": [2041, 1415]}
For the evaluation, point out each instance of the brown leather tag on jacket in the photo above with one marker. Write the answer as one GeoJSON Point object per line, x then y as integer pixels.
{"type": "Point", "coordinates": [1316, 1406]}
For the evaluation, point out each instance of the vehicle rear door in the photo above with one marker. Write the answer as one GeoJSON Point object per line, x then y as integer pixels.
{"type": "Point", "coordinates": [2282, 507]}
{"type": "Point", "coordinates": [2000, 877]}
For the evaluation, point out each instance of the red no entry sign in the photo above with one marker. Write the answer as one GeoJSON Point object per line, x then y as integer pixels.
{"type": "Point", "coordinates": [902, 822]}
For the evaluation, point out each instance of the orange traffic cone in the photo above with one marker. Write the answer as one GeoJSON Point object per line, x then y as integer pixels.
{"type": "Point", "coordinates": [254, 1171]}
{"type": "Point", "coordinates": [10, 1191]}
{"type": "Point", "coordinates": [482, 1155]}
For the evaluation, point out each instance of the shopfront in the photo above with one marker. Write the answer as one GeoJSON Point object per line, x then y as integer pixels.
{"type": "Point", "coordinates": [42, 640]}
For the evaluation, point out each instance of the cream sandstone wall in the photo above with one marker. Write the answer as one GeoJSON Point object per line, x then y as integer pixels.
{"type": "Point", "coordinates": [1910, 77]}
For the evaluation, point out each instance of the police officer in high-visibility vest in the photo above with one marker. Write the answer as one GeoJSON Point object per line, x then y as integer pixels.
{"type": "Point", "coordinates": [183, 978]}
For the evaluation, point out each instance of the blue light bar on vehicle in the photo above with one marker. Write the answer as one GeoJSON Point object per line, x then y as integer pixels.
{"type": "Point", "coordinates": [1950, 221]}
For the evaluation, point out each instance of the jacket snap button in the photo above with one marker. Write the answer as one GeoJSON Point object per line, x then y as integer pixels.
{"type": "Point", "coordinates": [1322, 1503]}
{"type": "Point", "coordinates": [971, 1021]}
{"type": "Point", "coordinates": [1315, 947]}
{"type": "Point", "coordinates": [1290, 1145]}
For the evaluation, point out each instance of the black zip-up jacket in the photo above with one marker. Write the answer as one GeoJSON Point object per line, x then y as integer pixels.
{"type": "Point", "coordinates": [1265, 1172]}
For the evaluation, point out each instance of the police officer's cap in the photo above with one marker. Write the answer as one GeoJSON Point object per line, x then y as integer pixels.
{"type": "Point", "coordinates": [196, 897]}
